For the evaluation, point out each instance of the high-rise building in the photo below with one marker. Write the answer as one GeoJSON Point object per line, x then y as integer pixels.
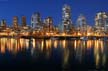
{"type": "Point", "coordinates": [3, 23]}
{"type": "Point", "coordinates": [101, 21]}
{"type": "Point", "coordinates": [81, 21]}
{"type": "Point", "coordinates": [15, 22]}
{"type": "Point", "coordinates": [66, 22]}
{"type": "Point", "coordinates": [49, 23]}
{"type": "Point", "coordinates": [23, 20]}
{"type": "Point", "coordinates": [82, 24]}
{"type": "Point", "coordinates": [36, 20]}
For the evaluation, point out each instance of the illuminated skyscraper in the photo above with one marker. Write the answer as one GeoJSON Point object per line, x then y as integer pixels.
{"type": "Point", "coordinates": [101, 21]}
{"type": "Point", "coordinates": [66, 22]}
{"type": "Point", "coordinates": [49, 23]}
{"type": "Point", "coordinates": [15, 22]}
{"type": "Point", "coordinates": [81, 21]}
{"type": "Point", "coordinates": [3, 23]}
{"type": "Point", "coordinates": [36, 20]}
{"type": "Point", "coordinates": [23, 20]}
{"type": "Point", "coordinates": [82, 24]}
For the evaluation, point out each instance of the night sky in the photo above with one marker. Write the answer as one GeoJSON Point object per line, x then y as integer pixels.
{"type": "Point", "coordinates": [53, 8]}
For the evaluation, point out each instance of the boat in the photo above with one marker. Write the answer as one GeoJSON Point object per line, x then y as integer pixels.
{"type": "Point", "coordinates": [53, 38]}
{"type": "Point", "coordinates": [84, 38]}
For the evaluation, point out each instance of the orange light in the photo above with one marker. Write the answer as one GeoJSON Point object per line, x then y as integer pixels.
{"type": "Point", "coordinates": [79, 34]}
{"type": "Point", "coordinates": [88, 34]}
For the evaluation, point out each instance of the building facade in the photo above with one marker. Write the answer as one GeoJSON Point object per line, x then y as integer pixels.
{"type": "Point", "coordinates": [82, 24]}
{"type": "Point", "coordinates": [36, 20]}
{"type": "Point", "coordinates": [101, 21]}
{"type": "Point", "coordinates": [24, 21]}
{"type": "Point", "coordinates": [66, 18]}
{"type": "Point", "coordinates": [15, 22]}
{"type": "Point", "coordinates": [3, 23]}
{"type": "Point", "coordinates": [49, 24]}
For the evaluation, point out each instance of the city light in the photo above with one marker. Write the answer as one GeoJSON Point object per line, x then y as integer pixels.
{"type": "Point", "coordinates": [45, 28]}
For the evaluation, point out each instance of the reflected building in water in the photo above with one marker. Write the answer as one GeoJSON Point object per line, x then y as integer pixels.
{"type": "Point", "coordinates": [13, 45]}
{"type": "Point", "coordinates": [66, 49]}
{"type": "Point", "coordinates": [100, 52]}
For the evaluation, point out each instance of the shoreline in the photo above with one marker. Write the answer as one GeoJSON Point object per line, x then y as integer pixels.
{"type": "Point", "coordinates": [58, 37]}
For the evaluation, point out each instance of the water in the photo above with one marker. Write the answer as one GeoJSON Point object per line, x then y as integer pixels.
{"type": "Point", "coordinates": [53, 55]}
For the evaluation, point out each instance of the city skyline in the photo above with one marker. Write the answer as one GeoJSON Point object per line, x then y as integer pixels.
{"type": "Point", "coordinates": [51, 8]}
{"type": "Point", "coordinates": [54, 35]}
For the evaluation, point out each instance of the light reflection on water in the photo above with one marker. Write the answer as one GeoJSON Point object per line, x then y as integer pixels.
{"type": "Point", "coordinates": [94, 51]}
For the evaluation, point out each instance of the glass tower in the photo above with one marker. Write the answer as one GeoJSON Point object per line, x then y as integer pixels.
{"type": "Point", "coordinates": [66, 16]}
{"type": "Point", "coordinates": [35, 20]}
{"type": "Point", "coordinates": [15, 22]}
{"type": "Point", "coordinates": [101, 21]}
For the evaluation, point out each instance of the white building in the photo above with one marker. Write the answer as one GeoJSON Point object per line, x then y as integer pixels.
{"type": "Point", "coordinates": [36, 21]}
{"type": "Point", "coordinates": [66, 22]}
{"type": "Point", "coordinates": [82, 24]}
{"type": "Point", "coordinates": [101, 21]}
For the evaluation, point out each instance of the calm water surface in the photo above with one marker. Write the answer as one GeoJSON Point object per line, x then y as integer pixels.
{"type": "Point", "coordinates": [62, 55]}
